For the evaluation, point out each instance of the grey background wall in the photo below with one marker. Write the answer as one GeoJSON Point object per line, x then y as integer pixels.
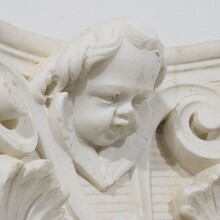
{"type": "Point", "coordinates": [178, 22]}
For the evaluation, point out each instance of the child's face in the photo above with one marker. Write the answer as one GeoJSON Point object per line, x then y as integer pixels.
{"type": "Point", "coordinates": [107, 104]}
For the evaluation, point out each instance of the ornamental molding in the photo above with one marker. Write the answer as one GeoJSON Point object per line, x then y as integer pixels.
{"type": "Point", "coordinates": [83, 137]}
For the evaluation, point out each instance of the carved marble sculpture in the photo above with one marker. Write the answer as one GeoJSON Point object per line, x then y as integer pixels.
{"type": "Point", "coordinates": [79, 123]}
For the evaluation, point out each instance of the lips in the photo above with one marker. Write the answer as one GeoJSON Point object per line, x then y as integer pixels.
{"type": "Point", "coordinates": [119, 131]}
{"type": "Point", "coordinates": [112, 136]}
{"type": "Point", "coordinates": [115, 129]}
{"type": "Point", "coordinates": [121, 121]}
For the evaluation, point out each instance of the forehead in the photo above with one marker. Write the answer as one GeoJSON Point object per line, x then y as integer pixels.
{"type": "Point", "coordinates": [130, 66]}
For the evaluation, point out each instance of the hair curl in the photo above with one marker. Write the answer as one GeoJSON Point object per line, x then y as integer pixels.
{"type": "Point", "coordinates": [95, 44]}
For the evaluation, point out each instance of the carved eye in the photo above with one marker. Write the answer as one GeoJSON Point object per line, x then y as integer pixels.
{"type": "Point", "coordinates": [109, 98]}
{"type": "Point", "coordinates": [138, 100]}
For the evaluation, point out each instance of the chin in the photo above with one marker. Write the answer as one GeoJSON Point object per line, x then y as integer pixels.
{"type": "Point", "coordinates": [109, 139]}
{"type": "Point", "coordinates": [102, 144]}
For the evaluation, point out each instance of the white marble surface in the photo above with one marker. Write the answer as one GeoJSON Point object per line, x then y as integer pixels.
{"type": "Point", "coordinates": [118, 145]}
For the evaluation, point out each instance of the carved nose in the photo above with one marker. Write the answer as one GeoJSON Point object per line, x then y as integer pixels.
{"type": "Point", "coordinates": [124, 114]}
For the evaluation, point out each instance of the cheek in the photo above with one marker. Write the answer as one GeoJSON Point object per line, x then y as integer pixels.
{"type": "Point", "coordinates": [92, 119]}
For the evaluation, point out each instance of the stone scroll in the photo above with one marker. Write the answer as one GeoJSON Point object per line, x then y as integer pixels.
{"type": "Point", "coordinates": [108, 126]}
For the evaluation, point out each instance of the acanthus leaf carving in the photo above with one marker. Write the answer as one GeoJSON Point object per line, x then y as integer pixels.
{"type": "Point", "coordinates": [30, 191]}
{"type": "Point", "coordinates": [200, 200]}
{"type": "Point", "coordinates": [93, 169]}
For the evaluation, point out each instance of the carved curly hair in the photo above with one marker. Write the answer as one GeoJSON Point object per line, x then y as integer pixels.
{"type": "Point", "coordinates": [95, 44]}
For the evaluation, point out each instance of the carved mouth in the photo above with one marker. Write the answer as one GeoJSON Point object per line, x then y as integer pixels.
{"type": "Point", "coordinates": [113, 134]}
{"type": "Point", "coordinates": [116, 129]}
{"type": "Point", "coordinates": [116, 132]}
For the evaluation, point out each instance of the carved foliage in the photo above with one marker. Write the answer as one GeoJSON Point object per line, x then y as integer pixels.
{"type": "Point", "coordinates": [201, 201]}
{"type": "Point", "coordinates": [29, 191]}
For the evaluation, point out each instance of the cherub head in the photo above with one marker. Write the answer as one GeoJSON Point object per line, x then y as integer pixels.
{"type": "Point", "coordinates": [98, 89]}
{"type": "Point", "coordinates": [109, 70]}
